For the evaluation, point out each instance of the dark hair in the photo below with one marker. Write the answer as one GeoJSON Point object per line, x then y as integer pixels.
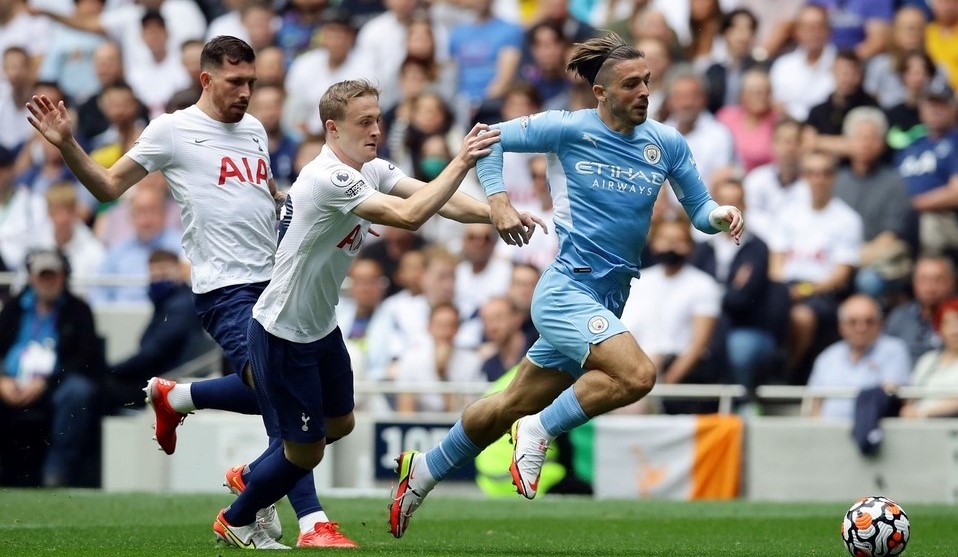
{"type": "Point", "coordinates": [16, 50]}
{"type": "Point", "coordinates": [848, 55]}
{"type": "Point", "coordinates": [588, 58]}
{"type": "Point", "coordinates": [163, 256]}
{"type": "Point", "coordinates": [118, 84]}
{"type": "Point", "coordinates": [152, 16]}
{"type": "Point", "coordinates": [926, 60]}
{"type": "Point", "coordinates": [525, 89]}
{"type": "Point", "coordinates": [443, 306]}
{"type": "Point", "coordinates": [549, 24]}
{"type": "Point", "coordinates": [225, 48]}
{"type": "Point", "coordinates": [729, 18]}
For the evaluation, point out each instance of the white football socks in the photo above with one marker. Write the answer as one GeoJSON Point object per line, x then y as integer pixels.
{"type": "Point", "coordinates": [180, 398]}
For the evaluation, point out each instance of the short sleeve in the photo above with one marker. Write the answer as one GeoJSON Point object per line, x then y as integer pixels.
{"type": "Point", "coordinates": [384, 174]}
{"type": "Point", "coordinates": [118, 20]}
{"type": "Point", "coordinates": [848, 244]}
{"type": "Point", "coordinates": [341, 188]}
{"type": "Point", "coordinates": [708, 302]}
{"type": "Point", "coordinates": [154, 148]}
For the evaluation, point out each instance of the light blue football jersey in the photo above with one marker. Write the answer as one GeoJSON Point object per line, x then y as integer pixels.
{"type": "Point", "coordinates": [603, 185]}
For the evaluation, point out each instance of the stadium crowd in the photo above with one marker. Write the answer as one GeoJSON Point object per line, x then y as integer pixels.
{"type": "Point", "coordinates": [833, 124]}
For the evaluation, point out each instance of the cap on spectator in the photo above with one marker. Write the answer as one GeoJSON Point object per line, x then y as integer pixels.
{"type": "Point", "coordinates": [938, 90]}
{"type": "Point", "coordinates": [7, 156]}
{"type": "Point", "coordinates": [44, 260]}
{"type": "Point", "coordinates": [339, 16]}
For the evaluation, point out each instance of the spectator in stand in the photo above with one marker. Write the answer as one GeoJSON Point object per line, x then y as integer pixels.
{"type": "Point", "coordinates": [270, 66]}
{"type": "Point", "coordinates": [122, 110]}
{"type": "Point", "coordinates": [545, 70]}
{"type": "Point", "coordinates": [487, 54]}
{"type": "Point", "coordinates": [672, 312]}
{"type": "Point", "coordinates": [933, 282]}
{"type": "Point", "coordinates": [19, 27]}
{"type": "Point", "coordinates": [173, 336]}
{"type": "Point", "coordinates": [873, 188]}
{"type": "Point", "coordinates": [521, 288]}
{"type": "Point", "coordinates": [883, 72]}
{"type": "Point", "coordinates": [382, 41]}
{"type": "Point", "coordinates": [505, 342]}
{"type": "Point", "coordinates": [312, 72]}
{"type": "Point", "coordinates": [131, 258]}
{"type": "Point", "coordinates": [156, 78]}
{"type": "Point", "coordinates": [190, 55]}
{"type": "Point", "coordinates": [114, 223]}
{"type": "Point", "coordinates": [710, 141]}
{"type": "Point", "coordinates": [266, 104]}
{"type": "Point", "coordinates": [726, 74]}
{"type": "Point", "coordinates": [14, 95]}
{"type": "Point", "coordinates": [752, 325]}
{"type": "Point", "coordinates": [429, 115]}
{"type": "Point", "coordinates": [71, 236]}
{"type": "Point", "coordinates": [421, 44]}
{"type": "Point", "coordinates": [479, 277]}
{"type": "Point", "coordinates": [815, 250]}
{"type": "Point", "coordinates": [541, 250]}
{"type": "Point", "coordinates": [300, 23]}
{"type": "Point", "coordinates": [401, 319]}
{"type": "Point", "coordinates": [123, 23]}
{"type": "Point", "coordinates": [433, 357]}
{"type": "Point", "coordinates": [861, 26]}
{"type": "Point", "coordinates": [752, 121]}
{"type": "Point", "coordinates": [803, 78]}
{"type": "Point", "coordinates": [108, 65]}
{"type": "Point", "coordinates": [557, 11]}
{"type": "Point", "coordinates": [778, 184]}
{"type": "Point", "coordinates": [24, 212]}
{"type": "Point", "coordinates": [51, 365]}
{"type": "Point", "coordinates": [937, 369]}
{"type": "Point", "coordinates": [705, 31]}
{"type": "Point", "coordinates": [863, 358]}
{"type": "Point", "coordinates": [941, 37]}
{"type": "Point", "coordinates": [392, 245]}
{"type": "Point", "coordinates": [69, 61]}
{"type": "Point", "coordinates": [258, 22]}
{"type": "Point", "coordinates": [930, 169]}
{"type": "Point", "coordinates": [904, 123]}
{"type": "Point", "coordinates": [367, 289]}
{"type": "Point", "coordinates": [659, 58]}
{"type": "Point", "coordinates": [823, 129]}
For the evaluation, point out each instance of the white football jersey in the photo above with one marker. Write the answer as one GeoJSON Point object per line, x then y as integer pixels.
{"type": "Point", "coordinates": [319, 237]}
{"type": "Point", "coordinates": [219, 175]}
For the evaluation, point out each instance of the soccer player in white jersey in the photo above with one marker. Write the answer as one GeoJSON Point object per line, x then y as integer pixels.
{"type": "Point", "coordinates": [606, 168]}
{"type": "Point", "coordinates": [301, 369]}
{"type": "Point", "coordinates": [214, 157]}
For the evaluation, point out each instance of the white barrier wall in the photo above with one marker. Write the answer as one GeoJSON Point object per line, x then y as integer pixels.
{"type": "Point", "coordinates": [807, 459]}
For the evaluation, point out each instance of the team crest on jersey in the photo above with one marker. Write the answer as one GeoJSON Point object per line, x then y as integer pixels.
{"type": "Point", "coordinates": [524, 122]}
{"type": "Point", "coordinates": [652, 154]}
{"type": "Point", "coordinates": [598, 324]}
{"type": "Point", "coordinates": [341, 178]}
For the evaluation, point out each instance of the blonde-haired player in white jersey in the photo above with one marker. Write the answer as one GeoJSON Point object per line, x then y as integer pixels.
{"type": "Point", "coordinates": [214, 157]}
{"type": "Point", "coordinates": [302, 371]}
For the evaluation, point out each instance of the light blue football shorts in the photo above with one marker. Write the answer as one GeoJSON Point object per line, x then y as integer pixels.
{"type": "Point", "coordinates": [572, 314]}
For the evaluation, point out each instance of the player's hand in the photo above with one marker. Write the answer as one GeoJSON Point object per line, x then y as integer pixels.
{"type": "Point", "coordinates": [729, 219]}
{"type": "Point", "coordinates": [478, 143]}
{"type": "Point", "coordinates": [507, 220]}
{"type": "Point", "coordinates": [530, 221]}
{"type": "Point", "coordinates": [52, 121]}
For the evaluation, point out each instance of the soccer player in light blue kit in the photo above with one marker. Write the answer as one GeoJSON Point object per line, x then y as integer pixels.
{"type": "Point", "coordinates": [606, 167]}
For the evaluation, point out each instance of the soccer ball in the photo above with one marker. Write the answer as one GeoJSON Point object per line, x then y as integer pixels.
{"type": "Point", "coordinates": [875, 527]}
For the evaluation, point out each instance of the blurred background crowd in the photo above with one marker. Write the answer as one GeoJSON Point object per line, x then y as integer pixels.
{"type": "Point", "coordinates": [831, 123]}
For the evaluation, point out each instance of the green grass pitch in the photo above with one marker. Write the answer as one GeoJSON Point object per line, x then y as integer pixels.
{"type": "Point", "coordinates": [91, 523]}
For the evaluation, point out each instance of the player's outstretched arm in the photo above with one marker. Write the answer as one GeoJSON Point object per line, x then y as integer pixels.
{"type": "Point", "coordinates": [412, 212]}
{"type": "Point", "coordinates": [53, 123]}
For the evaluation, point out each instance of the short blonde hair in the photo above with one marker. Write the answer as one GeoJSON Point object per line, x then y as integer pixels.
{"type": "Point", "coordinates": [332, 106]}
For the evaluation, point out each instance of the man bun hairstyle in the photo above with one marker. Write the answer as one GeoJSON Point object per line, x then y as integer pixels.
{"type": "Point", "coordinates": [225, 48]}
{"type": "Point", "coordinates": [589, 57]}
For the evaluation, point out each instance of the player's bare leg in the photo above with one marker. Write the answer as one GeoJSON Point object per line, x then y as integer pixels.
{"type": "Point", "coordinates": [482, 423]}
{"type": "Point", "coordinates": [620, 374]}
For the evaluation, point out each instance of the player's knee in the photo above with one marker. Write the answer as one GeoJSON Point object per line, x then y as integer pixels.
{"type": "Point", "coordinates": [305, 455]}
{"type": "Point", "coordinates": [638, 381]}
{"type": "Point", "coordinates": [339, 427]}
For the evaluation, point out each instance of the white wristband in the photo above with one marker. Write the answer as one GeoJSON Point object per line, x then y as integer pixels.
{"type": "Point", "coordinates": [718, 215]}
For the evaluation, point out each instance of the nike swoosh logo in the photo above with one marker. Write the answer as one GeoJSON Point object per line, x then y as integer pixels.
{"type": "Point", "coordinates": [201, 140]}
